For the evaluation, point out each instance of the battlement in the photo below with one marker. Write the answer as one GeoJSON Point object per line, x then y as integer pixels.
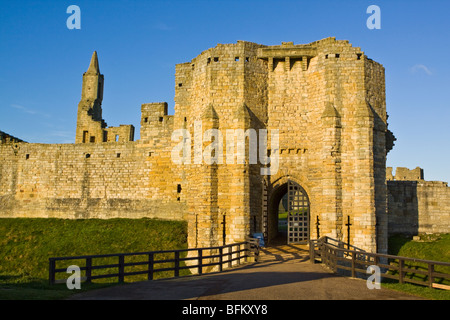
{"type": "Point", "coordinates": [155, 122]}
{"type": "Point", "coordinates": [153, 112]}
{"type": "Point", "coordinates": [122, 133]}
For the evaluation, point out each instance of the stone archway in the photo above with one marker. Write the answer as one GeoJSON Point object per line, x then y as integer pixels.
{"type": "Point", "coordinates": [298, 214]}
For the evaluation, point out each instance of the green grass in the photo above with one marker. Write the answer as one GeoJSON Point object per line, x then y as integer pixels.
{"type": "Point", "coordinates": [27, 244]}
{"type": "Point", "coordinates": [433, 247]}
{"type": "Point", "coordinates": [282, 215]}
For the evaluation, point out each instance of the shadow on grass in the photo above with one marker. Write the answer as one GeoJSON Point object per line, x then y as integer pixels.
{"type": "Point", "coordinates": [396, 243]}
{"type": "Point", "coordinates": [39, 289]}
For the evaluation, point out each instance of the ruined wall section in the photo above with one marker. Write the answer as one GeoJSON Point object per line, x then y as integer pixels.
{"type": "Point", "coordinates": [122, 133]}
{"type": "Point", "coordinates": [8, 139]}
{"type": "Point", "coordinates": [416, 206]}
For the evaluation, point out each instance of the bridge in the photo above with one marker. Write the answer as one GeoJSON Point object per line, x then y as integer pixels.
{"type": "Point", "coordinates": [282, 272]}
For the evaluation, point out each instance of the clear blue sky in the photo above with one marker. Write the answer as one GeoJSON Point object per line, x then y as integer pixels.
{"type": "Point", "coordinates": [139, 43]}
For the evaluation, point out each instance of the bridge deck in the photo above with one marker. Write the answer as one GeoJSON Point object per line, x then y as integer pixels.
{"type": "Point", "coordinates": [282, 273]}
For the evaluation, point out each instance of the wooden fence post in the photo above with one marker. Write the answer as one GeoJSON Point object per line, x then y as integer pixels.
{"type": "Point", "coordinates": [335, 261]}
{"type": "Point", "coordinates": [312, 257]}
{"type": "Point", "coordinates": [51, 271]}
{"type": "Point", "coordinates": [221, 259]}
{"type": "Point", "coordinates": [430, 274]}
{"type": "Point", "coordinates": [353, 264]}
{"type": "Point", "coordinates": [400, 270]}
{"type": "Point", "coordinates": [200, 261]}
{"type": "Point", "coordinates": [121, 268]}
{"type": "Point", "coordinates": [150, 265]}
{"type": "Point", "coordinates": [88, 269]}
{"type": "Point", "coordinates": [239, 254]}
{"type": "Point", "coordinates": [177, 264]}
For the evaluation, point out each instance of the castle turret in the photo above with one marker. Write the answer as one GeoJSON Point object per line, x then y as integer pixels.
{"type": "Point", "coordinates": [90, 124]}
{"type": "Point", "coordinates": [91, 128]}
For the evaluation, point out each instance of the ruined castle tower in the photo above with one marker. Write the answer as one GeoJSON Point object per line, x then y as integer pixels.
{"type": "Point", "coordinates": [90, 124]}
{"type": "Point", "coordinates": [91, 128]}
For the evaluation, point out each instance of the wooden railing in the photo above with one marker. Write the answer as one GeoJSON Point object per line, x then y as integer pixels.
{"type": "Point", "coordinates": [195, 259]}
{"type": "Point", "coordinates": [333, 254]}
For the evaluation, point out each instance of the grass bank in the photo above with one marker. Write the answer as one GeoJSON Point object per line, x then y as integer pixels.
{"type": "Point", "coordinates": [431, 247]}
{"type": "Point", "coordinates": [27, 244]}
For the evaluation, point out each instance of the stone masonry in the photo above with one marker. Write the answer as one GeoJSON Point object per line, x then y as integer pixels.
{"type": "Point", "coordinates": [417, 206]}
{"type": "Point", "coordinates": [326, 101]}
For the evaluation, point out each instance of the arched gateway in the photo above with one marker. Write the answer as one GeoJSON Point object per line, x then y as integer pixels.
{"type": "Point", "coordinates": [295, 227]}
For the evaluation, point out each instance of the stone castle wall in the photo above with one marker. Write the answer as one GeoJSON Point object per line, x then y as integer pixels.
{"type": "Point", "coordinates": [417, 206]}
{"type": "Point", "coordinates": [326, 99]}
{"type": "Point", "coordinates": [105, 180]}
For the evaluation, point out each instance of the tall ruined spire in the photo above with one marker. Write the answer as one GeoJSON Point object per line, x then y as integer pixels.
{"type": "Point", "coordinates": [93, 66]}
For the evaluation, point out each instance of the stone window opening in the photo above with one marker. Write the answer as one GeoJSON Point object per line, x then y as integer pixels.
{"type": "Point", "coordinates": [117, 138]}
{"type": "Point", "coordinates": [326, 56]}
{"type": "Point", "coordinates": [208, 61]}
{"type": "Point", "coordinates": [145, 119]}
{"type": "Point", "coordinates": [118, 155]}
{"type": "Point", "coordinates": [85, 135]}
{"type": "Point", "coordinates": [88, 155]}
{"type": "Point", "coordinates": [247, 59]}
{"type": "Point", "coordinates": [180, 84]}
{"type": "Point", "coordinates": [216, 59]}
{"type": "Point", "coordinates": [92, 139]}
{"type": "Point", "coordinates": [337, 55]}
{"type": "Point", "coordinates": [161, 119]}
{"type": "Point", "coordinates": [27, 156]}
{"type": "Point", "coordinates": [358, 56]}
{"type": "Point", "coordinates": [178, 192]}
{"type": "Point", "coordinates": [236, 59]}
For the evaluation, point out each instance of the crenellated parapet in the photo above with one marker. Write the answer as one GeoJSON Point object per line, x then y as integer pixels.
{"type": "Point", "coordinates": [156, 124]}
